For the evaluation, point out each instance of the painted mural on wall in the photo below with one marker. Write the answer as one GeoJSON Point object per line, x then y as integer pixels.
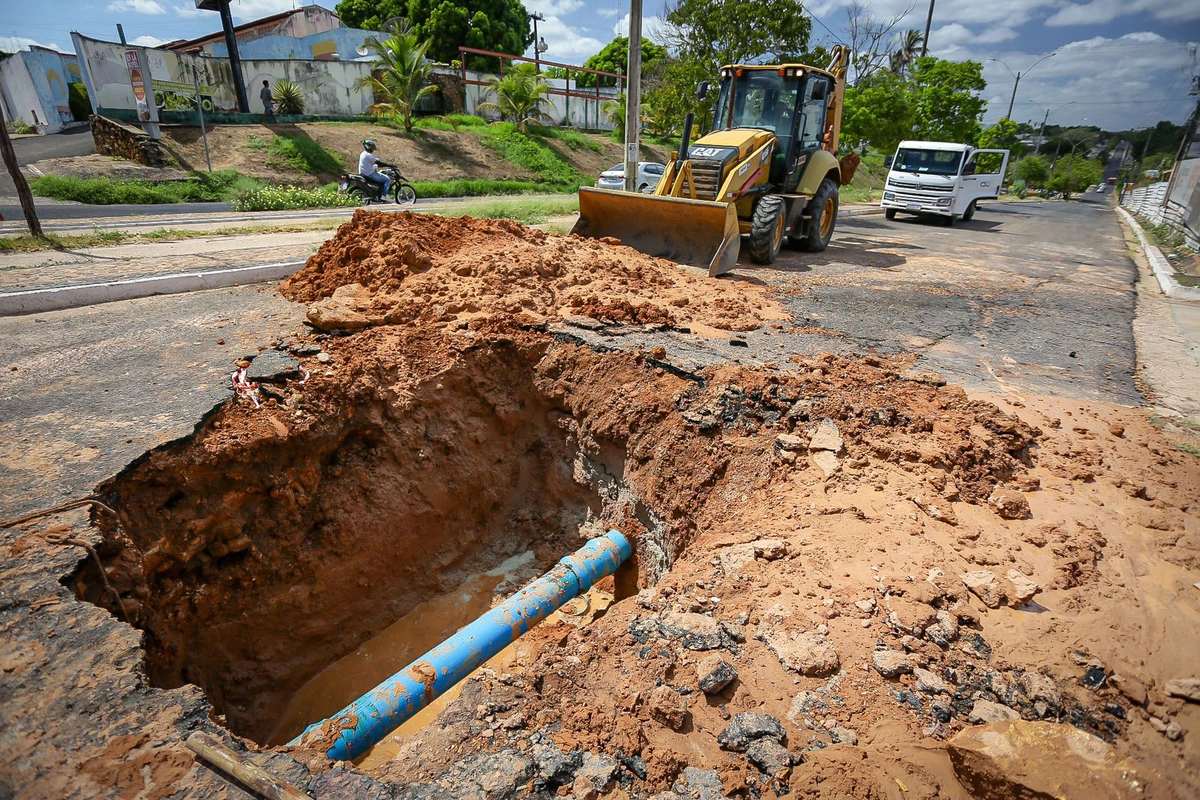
{"type": "Point", "coordinates": [35, 85]}
{"type": "Point", "coordinates": [342, 43]}
{"type": "Point", "coordinates": [328, 86]}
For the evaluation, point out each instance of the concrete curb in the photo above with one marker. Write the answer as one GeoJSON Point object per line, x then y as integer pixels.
{"type": "Point", "coordinates": [1159, 264]}
{"type": "Point", "coordinates": [58, 298]}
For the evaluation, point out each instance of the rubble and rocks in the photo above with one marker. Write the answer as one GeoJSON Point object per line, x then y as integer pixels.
{"type": "Point", "coordinates": [715, 672]}
{"type": "Point", "coordinates": [891, 663]}
{"type": "Point", "coordinates": [1039, 759]}
{"type": "Point", "coordinates": [667, 706]}
{"type": "Point", "coordinates": [827, 437]}
{"type": "Point", "coordinates": [1009, 504]}
{"type": "Point", "coordinates": [1187, 688]}
{"type": "Point", "coordinates": [272, 366]}
{"type": "Point", "coordinates": [983, 584]}
{"type": "Point", "coordinates": [771, 757]}
{"type": "Point", "coordinates": [747, 727]}
{"type": "Point", "coordinates": [806, 652]}
{"type": "Point", "coordinates": [1020, 589]}
{"type": "Point", "coordinates": [985, 711]}
{"type": "Point", "coordinates": [929, 682]}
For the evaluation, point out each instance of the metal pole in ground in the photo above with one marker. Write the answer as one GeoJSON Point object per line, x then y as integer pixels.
{"type": "Point", "coordinates": [200, 110]}
{"type": "Point", "coordinates": [23, 193]}
{"type": "Point", "coordinates": [633, 91]}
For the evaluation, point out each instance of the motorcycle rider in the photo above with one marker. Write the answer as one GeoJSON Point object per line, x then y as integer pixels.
{"type": "Point", "coordinates": [367, 163]}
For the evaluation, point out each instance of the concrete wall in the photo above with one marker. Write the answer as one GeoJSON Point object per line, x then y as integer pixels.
{"type": "Point", "coordinates": [582, 113]}
{"type": "Point", "coordinates": [328, 85]}
{"type": "Point", "coordinates": [1180, 209]}
{"type": "Point", "coordinates": [34, 86]}
{"type": "Point", "coordinates": [344, 42]}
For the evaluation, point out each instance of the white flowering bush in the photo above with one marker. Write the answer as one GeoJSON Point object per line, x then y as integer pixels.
{"type": "Point", "coordinates": [286, 198]}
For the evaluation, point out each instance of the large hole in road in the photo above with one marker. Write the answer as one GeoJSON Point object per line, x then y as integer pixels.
{"type": "Point", "coordinates": [253, 562]}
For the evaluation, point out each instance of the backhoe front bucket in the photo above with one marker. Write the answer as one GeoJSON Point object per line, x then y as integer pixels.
{"type": "Point", "coordinates": [696, 232]}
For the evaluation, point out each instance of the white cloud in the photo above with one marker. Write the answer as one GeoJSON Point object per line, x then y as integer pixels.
{"type": "Point", "coordinates": [607, 13]}
{"type": "Point", "coordinates": [149, 41]}
{"type": "Point", "coordinates": [1098, 12]}
{"type": "Point", "coordinates": [555, 8]}
{"type": "Point", "coordinates": [956, 35]}
{"type": "Point", "coordinates": [11, 44]}
{"type": "Point", "coordinates": [650, 27]}
{"type": "Point", "coordinates": [566, 44]}
{"type": "Point", "coordinates": [137, 7]}
{"type": "Point", "coordinates": [247, 10]}
{"type": "Point", "coordinates": [189, 11]}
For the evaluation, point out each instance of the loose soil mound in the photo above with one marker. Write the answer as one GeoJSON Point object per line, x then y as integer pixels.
{"type": "Point", "coordinates": [425, 269]}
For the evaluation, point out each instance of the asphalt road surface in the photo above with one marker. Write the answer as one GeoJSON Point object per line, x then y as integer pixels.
{"type": "Point", "coordinates": [75, 142]}
{"type": "Point", "coordinates": [1032, 297]}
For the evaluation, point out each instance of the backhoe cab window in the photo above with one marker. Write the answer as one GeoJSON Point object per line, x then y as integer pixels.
{"type": "Point", "coordinates": [928, 162]}
{"type": "Point", "coordinates": [761, 99]}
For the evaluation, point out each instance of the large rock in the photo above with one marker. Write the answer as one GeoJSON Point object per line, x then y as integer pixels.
{"type": "Point", "coordinates": [1187, 688]}
{"type": "Point", "coordinates": [826, 437]}
{"type": "Point", "coordinates": [667, 706]}
{"type": "Point", "coordinates": [985, 711]}
{"type": "Point", "coordinates": [715, 672]}
{"type": "Point", "coordinates": [1020, 589]}
{"type": "Point", "coordinates": [890, 663]}
{"type": "Point", "coordinates": [1035, 760]}
{"type": "Point", "coordinates": [694, 631]}
{"type": "Point", "coordinates": [272, 366]}
{"type": "Point", "coordinates": [1009, 504]}
{"type": "Point", "coordinates": [770, 757]}
{"type": "Point", "coordinates": [747, 727]}
{"type": "Point", "coordinates": [332, 315]}
{"type": "Point", "coordinates": [983, 584]}
{"type": "Point", "coordinates": [806, 652]}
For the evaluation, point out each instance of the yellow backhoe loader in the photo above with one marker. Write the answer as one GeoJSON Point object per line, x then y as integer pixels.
{"type": "Point", "coordinates": [767, 169]}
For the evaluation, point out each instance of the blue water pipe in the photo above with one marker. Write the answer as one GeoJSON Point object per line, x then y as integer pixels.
{"type": "Point", "coordinates": [363, 724]}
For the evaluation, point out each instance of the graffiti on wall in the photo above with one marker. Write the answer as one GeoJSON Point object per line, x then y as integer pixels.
{"type": "Point", "coordinates": [328, 86]}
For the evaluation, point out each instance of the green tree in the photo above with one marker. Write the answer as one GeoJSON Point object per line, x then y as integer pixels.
{"type": "Point", "coordinates": [878, 113]}
{"type": "Point", "coordinates": [401, 76]}
{"type": "Point", "coordinates": [520, 97]}
{"type": "Point", "coordinates": [1033, 170]}
{"type": "Point", "coordinates": [704, 35]}
{"type": "Point", "coordinates": [500, 25]}
{"type": "Point", "coordinates": [614, 58]}
{"type": "Point", "coordinates": [945, 94]}
{"type": "Point", "coordinates": [1001, 136]}
{"type": "Point", "coordinates": [1073, 174]}
{"type": "Point", "coordinates": [370, 14]}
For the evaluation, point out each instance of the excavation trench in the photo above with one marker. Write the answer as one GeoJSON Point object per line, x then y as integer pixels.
{"type": "Point", "coordinates": [255, 561]}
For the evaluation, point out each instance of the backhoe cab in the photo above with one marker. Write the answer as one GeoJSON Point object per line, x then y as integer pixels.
{"type": "Point", "coordinates": [766, 170]}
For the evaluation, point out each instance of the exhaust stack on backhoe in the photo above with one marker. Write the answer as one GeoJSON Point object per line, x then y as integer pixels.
{"type": "Point", "coordinates": [766, 169]}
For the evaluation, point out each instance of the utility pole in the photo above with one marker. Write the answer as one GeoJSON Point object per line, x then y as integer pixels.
{"type": "Point", "coordinates": [633, 95]}
{"type": "Point", "coordinates": [121, 33]}
{"type": "Point", "coordinates": [1018, 76]}
{"type": "Point", "coordinates": [928, 25]}
{"type": "Point", "coordinates": [537, 43]}
{"type": "Point", "coordinates": [1042, 132]}
{"type": "Point", "coordinates": [23, 193]}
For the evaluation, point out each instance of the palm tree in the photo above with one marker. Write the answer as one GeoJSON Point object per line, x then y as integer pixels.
{"type": "Point", "coordinates": [907, 51]}
{"type": "Point", "coordinates": [401, 76]}
{"type": "Point", "coordinates": [520, 97]}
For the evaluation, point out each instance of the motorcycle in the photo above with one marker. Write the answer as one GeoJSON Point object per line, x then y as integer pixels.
{"type": "Point", "coordinates": [368, 191]}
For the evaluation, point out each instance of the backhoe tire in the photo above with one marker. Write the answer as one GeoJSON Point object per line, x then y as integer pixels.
{"type": "Point", "coordinates": [824, 205]}
{"type": "Point", "coordinates": [766, 229]}
{"type": "Point", "coordinates": [890, 213]}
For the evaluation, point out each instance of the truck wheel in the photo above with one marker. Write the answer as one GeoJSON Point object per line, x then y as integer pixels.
{"type": "Point", "coordinates": [948, 221]}
{"type": "Point", "coordinates": [970, 212]}
{"type": "Point", "coordinates": [766, 229]}
{"type": "Point", "coordinates": [824, 205]}
{"type": "Point", "coordinates": [890, 213]}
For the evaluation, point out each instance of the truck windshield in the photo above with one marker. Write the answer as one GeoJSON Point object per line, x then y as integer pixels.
{"type": "Point", "coordinates": [927, 162]}
{"type": "Point", "coordinates": [759, 99]}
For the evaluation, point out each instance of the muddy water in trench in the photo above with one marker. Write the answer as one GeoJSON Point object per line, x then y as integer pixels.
{"type": "Point", "coordinates": [378, 658]}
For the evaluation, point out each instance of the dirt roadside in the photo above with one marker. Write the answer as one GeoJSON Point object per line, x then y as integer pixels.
{"type": "Point", "coordinates": [808, 521]}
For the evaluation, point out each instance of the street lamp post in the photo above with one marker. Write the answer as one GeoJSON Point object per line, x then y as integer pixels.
{"type": "Point", "coordinates": [1018, 76]}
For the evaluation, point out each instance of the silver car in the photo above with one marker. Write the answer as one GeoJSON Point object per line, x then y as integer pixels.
{"type": "Point", "coordinates": [648, 175]}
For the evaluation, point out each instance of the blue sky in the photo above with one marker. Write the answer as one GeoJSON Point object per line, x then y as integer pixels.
{"type": "Point", "coordinates": [1119, 63]}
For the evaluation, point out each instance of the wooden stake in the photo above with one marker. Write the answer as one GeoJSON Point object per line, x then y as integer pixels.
{"type": "Point", "coordinates": [250, 775]}
{"type": "Point", "coordinates": [23, 193]}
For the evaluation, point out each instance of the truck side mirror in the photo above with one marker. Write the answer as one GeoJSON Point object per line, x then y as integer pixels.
{"type": "Point", "coordinates": [887, 161]}
{"type": "Point", "coordinates": [702, 90]}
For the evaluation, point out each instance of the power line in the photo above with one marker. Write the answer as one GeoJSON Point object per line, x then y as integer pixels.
{"type": "Point", "coordinates": [826, 27]}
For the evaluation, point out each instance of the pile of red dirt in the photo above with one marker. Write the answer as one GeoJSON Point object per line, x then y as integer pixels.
{"type": "Point", "coordinates": [428, 269]}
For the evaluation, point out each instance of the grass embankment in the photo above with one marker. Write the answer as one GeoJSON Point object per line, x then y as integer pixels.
{"type": "Point", "coordinates": [526, 210]}
{"type": "Point", "coordinates": [867, 185]}
{"type": "Point", "coordinates": [299, 152]}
